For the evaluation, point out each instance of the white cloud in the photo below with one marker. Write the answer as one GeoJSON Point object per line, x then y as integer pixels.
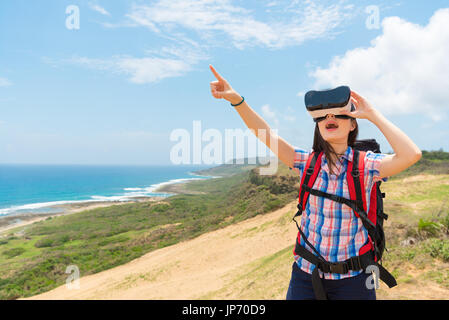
{"type": "Point", "coordinates": [5, 82]}
{"type": "Point", "coordinates": [140, 70]}
{"type": "Point", "coordinates": [404, 71]}
{"type": "Point", "coordinates": [211, 19]}
{"type": "Point", "coordinates": [92, 63]}
{"type": "Point", "coordinates": [270, 114]}
{"type": "Point", "coordinates": [99, 9]}
{"type": "Point", "coordinates": [289, 115]}
{"type": "Point", "coordinates": [272, 4]}
{"type": "Point", "coordinates": [274, 115]}
{"type": "Point", "coordinates": [301, 94]}
{"type": "Point", "coordinates": [172, 62]}
{"type": "Point", "coordinates": [146, 70]}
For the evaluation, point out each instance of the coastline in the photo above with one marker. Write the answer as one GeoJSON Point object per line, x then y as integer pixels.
{"type": "Point", "coordinates": [176, 188]}
{"type": "Point", "coordinates": [179, 186]}
{"type": "Point", "coordinates": [172, 187]}
{"type": "Point", "coordinates": [9, 222]}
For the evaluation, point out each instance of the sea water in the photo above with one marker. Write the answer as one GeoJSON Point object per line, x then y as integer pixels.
{"type": "Point", "coordinates": [35, 188]}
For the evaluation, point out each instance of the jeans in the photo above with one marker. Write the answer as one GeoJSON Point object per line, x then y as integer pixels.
{"type": "Point", "coordinates": [353, 288]}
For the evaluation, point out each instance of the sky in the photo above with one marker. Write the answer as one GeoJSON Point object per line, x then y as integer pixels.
{"type": "Point", "coordinates": [110, 82]}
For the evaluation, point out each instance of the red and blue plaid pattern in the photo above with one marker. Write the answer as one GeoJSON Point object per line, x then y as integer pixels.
{"type": "Point", "coordinates": [332, 227]}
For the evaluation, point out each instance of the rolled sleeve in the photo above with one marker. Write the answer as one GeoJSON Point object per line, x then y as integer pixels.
{"type": "Point", "coordinates": [372, 165]}
{"type": "Point", "coordinates": [300, 160]}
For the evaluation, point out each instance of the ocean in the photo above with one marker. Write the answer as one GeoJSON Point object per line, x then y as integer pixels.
{"type": "Point", "coordinates": [35, 188]}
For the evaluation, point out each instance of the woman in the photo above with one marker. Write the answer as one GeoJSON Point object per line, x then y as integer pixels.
{"type": "Point", "coordinates": [331, 227]}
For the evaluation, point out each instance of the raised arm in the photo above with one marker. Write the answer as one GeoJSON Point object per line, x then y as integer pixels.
{"type": "Point", "coordinates": [406, 152]}
{"type": "Point", "coordinates": [222, 90]}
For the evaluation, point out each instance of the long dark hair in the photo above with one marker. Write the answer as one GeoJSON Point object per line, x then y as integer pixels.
{"type": "Point", "coordinates": [319, 144]}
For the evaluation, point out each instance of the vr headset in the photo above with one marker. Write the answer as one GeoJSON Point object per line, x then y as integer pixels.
{"type": "Point", "coordinates": [321, 103]}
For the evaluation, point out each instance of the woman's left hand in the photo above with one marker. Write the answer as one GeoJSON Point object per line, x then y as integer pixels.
{"type": "Point", "coordinates": [364, 110]}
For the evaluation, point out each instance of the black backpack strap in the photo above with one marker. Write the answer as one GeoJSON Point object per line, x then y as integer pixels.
{"type": "Point", "coordinates": [360, 205]}
{"type": "Point", "coordinates": [386, 276]}
{"type": "Point", "coordinates": [308, 172]}
{"type": "Point", "coordinates": [350, 203]}
{"type": "Point", "coordinates": [355, 263]}
{"type": "Point", "coordinates": [317, 284]}
{"type": "Point", "coordinates": [356, 174]}
{"type": "Point", "coordinates": [300, 250]}
{"type": "Point", "coordinates": [303, 250]}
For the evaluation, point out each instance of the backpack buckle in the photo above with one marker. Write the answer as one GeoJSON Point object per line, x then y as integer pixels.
{"type": "Point", "coordinates": [356, 263]}
{"type": "Point", "coordinates": [341, 268]}
{"type": "Point", "coordinates": [299, 212]}
{"type": "Point", "coordinates": [355, 173]}
{"type": "Point", "coordinates": [309, 171]}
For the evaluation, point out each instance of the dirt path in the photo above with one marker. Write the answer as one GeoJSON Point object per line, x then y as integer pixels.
{"type": "Point", "coordinates": [189, 269]}
{"type": "Point", "coordinates": [215, 265]}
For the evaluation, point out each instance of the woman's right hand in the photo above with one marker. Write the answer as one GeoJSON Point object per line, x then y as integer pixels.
{"type": "Point", "coordinates": [221, 89]}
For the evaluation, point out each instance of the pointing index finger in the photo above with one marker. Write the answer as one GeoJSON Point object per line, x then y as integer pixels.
{"type": "Point", "coordinates": [216, 73]}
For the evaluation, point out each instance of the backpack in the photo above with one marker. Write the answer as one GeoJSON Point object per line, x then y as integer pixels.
{"type": "Point", "coordinates": [371, 253]}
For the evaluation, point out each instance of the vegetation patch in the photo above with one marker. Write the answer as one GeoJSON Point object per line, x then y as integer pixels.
{"type": "Point", "coordinates": [10, 253]}
{"type": "Point", "coordinates": [34, 259]}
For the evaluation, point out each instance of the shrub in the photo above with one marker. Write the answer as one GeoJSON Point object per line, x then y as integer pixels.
{"type": "Point", "coordinates": [160, 207]}
{"type": "Point", "coordinates": [429, 228]}
{"type": "Point", "coordinates": [52, 241]}
{"type": "Point", "coordinates": [272, 205]}
{"type": "Point", "coordinates": [63, 239]}
{"type": "Point", "coordinates": [445, 223]}
{"type": "Point", "coordinates": [43, 243]}
{"type": "Point", "coordinates": [438, 248]}
{"type": "Point", "coordinates": [13, 252]}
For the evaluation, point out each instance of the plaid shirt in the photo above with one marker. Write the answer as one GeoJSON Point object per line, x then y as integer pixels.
{"type": "Point", "coordinates": [331, 227]}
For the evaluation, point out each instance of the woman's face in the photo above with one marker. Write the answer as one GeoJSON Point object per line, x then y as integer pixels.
{"type": "Point", "coordinates": [336, 130]}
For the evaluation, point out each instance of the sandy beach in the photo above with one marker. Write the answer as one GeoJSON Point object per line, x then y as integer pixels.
{"type": "Point", "coordinates": [23, 219]}
{"type": "Point", "coordinates": [177, 188]}
{"type": "Point", "coordinates": [8, 222]}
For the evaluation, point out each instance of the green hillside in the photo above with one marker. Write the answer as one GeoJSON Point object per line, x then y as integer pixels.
{"type": "Point", "coordinates": [431, 162]}
{"type": "Point", "coordinates": [33, 259]}
{"type": "Point", "coordinates": [417, 233]}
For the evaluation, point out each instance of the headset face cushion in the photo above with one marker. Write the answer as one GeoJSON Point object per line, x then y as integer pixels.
{"type": "Point", "coordinates": [320, 103]}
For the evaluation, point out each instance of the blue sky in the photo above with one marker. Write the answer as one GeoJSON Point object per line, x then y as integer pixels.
{"type": "Point", "coordinates": [112, 91]}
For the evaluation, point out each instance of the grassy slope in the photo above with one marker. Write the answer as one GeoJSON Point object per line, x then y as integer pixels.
{"type": "Point", "coordinates": [34, 261]}
{"type": "Point", "coordinates": [417, 267]}
{"type": "Point", "coordinates": [418, 208]}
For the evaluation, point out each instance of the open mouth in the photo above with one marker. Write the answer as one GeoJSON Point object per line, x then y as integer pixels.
{"type": "Point", "coordinates": [331, 126]}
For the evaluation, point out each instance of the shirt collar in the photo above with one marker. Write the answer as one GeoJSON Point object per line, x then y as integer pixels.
{"type": "Point", "coordinates": [348, 155]}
